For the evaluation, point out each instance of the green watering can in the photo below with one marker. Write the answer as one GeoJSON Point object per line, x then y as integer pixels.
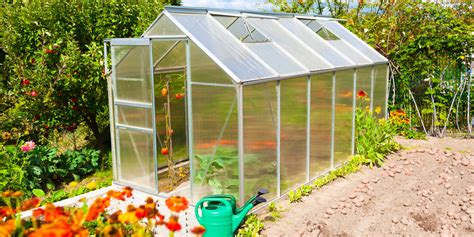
{"type": "Point", "coordinates": [220, 216]}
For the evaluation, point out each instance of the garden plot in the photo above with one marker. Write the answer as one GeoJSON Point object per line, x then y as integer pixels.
{"type": "Point", "coordinates": [427, 189]}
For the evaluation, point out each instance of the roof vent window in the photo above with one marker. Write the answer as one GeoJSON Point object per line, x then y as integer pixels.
{"type": "Point", "coordinates": [319, 29]}
{"type": "Point", "coordinates": [241, 29]}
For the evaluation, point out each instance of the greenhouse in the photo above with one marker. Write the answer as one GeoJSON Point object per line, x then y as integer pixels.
{"type": "Point", "coordinates": [242, 99]}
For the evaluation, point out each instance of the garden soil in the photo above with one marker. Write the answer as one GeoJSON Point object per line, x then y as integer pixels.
{"type": "Point", "coordinates": [426, 189]}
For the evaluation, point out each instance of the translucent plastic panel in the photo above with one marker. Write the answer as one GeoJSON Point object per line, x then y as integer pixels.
{"type": "Point", "coordinates": [380, 90]}
{"type": "Point", "coordinates": [176, 113]}
{"type": "Point", "coordinates": [134, 116]}
{"type": "Point", "coordinates": [293, 132]}
{"type": "Point", "coordinates": [260, 126]}
{"type": "Point", "coordinates": [161, 48]}
{"type": "Point", "coordinates": [350, 52]}
{"type": "Point", "coordinates": [132, 73]}
{"type": "Point", "coordinates": [245, 32]}
{"type": "Point", "coordinates": [350, 38]}
{"type": "Point", "coordinates": [136, 159]}
{"type": "Point", "coordinates": [203, 69]}
{"type": "Point", "coordinates": [225, 20]}
{"type": "Point", "coordinates": [343, 116]}
{"type": "Point", "coordinates": [364, 83]}
{"type": "Point", "coordinates": [225, 47]}
{"type": "Point", "coordinates": [276, 33]}
{"type": "Point", "coordinates": [321, 123]}
{"type": "Point", "coordinates": [276, 58]}
{"type": "Point", "coordinates": [315, 42]}
{"type": "Point", "coordinates": [314, 25]}
{"type": "Point", "coordinates": [174, 59]}
{"type": "Point", "coordinates": [164, 26]}
{"type": "Point", "coordinates": [215, 148]}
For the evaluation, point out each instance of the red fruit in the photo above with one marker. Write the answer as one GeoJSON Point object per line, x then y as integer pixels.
{"type": "Point", "coordinates": [74, 99]}
{"type": "Point", "coordinates": [33, 61]}
{"type": "Point", "coordinates": [34, 93]}
{"type": "Point", "coordinates": [164, 92]}
{"type": "Point", "coordinates": [75, 107]}
{"type": "Point", "coordinates": [25, 82]}
{"type": "Point", "coordinates": [170, 132]}
{"type": "Point", "coordinates": [164, 151]}
{"type": "Point", "coordinates": [178, 96]}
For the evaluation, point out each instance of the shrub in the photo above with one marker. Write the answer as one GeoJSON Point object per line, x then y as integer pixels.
{"type": "Point", "coordinates": [43, 167]}
{"type": "Point", "coordinates": [52, 75]}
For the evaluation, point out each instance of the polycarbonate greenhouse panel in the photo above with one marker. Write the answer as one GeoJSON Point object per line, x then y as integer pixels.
{"type": "Point", "coordinates": [134, 116]}
{"type": "Point", "coordinates": [292, 45]}
{"type": "Point", "coordinates": [350, 38]}
{"type": "Point", "coordinates": [353, 54]}
{"type": "Point", "coordinates": [172, 59]}
{"type": "Point", "coordinates": [132, 73]}
{"type": "Point", "coordinates": [203, 69]}
{"type": "Point", "coordinates": [343, 116]}
{"type": "Point", "coordinates": [136, 159]}
{"type": "Point", "coordinates": [364, 83]}
{"type": "Point", "coordinates": [276, 58]}
{"type": "Point", "coordinates": [215, 161]}
{"type": "Point", "coordinates": [380, 90]}
{"type": "Point", "coordinates": [321, 123]}
{"type": "Point", "coordinates": [223, 46]}
{"type": "Point", "coordinates": [163, 26]}
{"type": "Point", "coordinates": [293, 119]}
{"type": "Point", "coordinates": [315, 42]}
{"type": "Point", "coordinates": [260, 139]}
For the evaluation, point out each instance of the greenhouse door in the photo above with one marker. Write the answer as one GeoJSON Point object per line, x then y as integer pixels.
{"type": "Point", "coordinates": [133, 93]}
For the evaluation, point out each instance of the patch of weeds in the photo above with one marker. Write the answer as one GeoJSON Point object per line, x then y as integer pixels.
{"type": "Point", "coordinates": [251, 227]}
{"type": "Point", "coordinates": [295, 195]}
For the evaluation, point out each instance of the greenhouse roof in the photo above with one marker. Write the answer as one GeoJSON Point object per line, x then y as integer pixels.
{"type": "Point", "coordinates": [255, 46]}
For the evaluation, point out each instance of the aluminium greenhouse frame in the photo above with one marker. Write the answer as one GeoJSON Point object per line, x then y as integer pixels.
{"type": "Point", "coordinates": [311, 72]}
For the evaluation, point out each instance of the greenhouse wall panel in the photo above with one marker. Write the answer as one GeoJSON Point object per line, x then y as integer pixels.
{"type": "Point", "coordinates": [203, 69]}
{"type": "Point", "coordinates": [364, 83]}
{"type": "Point", "coordinates": [343, 116]}
{"type": "Point", "coordinates": [215, 161]}
{"type": "Point", "coordinates": [293, 134]}
{"type": "Point", "coordinates": [136, 159]}
{"type": "Point", "coordinates": [260, 138]}
{"type": "Point", "coordinates": [321, 123]}
{"type": "Point", "coordinates": [133, 116]}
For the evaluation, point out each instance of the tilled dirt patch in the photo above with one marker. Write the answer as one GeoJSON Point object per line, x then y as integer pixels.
{"type": "Point", "coordinates": [425, 190]}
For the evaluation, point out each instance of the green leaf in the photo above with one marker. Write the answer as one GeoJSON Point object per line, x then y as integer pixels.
{"type": "Point", "coordinates": [38, 193]}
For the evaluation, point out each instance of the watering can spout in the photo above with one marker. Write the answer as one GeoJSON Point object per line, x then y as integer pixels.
{"type": "Point", "coordinates": [239, 217]}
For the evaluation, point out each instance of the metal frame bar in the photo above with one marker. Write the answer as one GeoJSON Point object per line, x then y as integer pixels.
{"type": "Point", "coordinates": [240, 112]}
{"type": "Point", "coordinates": [129, 41]}
{"type": "Point", "coordinates": [111, 111]}
{"type": "Point", "coordinates": [278, 130]}
{"type": "Point", "coordinates": [166, 53]}
{"type": "Point", "coordinates": [308, 128]}
{"type": "Point", "coordinates": [134, 128]}
{"type": "Point", "coordinates": [211, 84]}
{"type": "Point", "coordinates": [189, 116]}
{"type": "Point", "coordinates": [372, 83]}
{"type": "Point", "coordinates": [333, 117]}
{"type": "Point", "coordinates": [133, 104]}
{"type": "Point", "coordinates": [387, 90]}
{"type": "Point", "coordinates": [117, 134]}
{"type": "Point", "coordinates": [354, 104]}
{"type": "Point", "coordinates": [153, 114]}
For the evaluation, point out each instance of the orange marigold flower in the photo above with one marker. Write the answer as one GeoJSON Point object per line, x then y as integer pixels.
{"type": "Point", "coordinates": [141, 212]}
{"type": "Point", "coordinates": [401, 112]}
{"type": "Point", "coordinates": [173, 224]}
{"type": "Point", "coordinates": [7, 194]}
{"type": "Point", "coordinates": [361, 94]}
{"type": "Point", "coordinates": [51, 212]}
{"type": "Point", "coordinates": [112, 219]}
{"type": "Point", "coordinates": [97, 208]}
{"type": "Point", "coordinates": [177, 203]}
{"type": "Point", "coordinates": [17, 194]}
{"type": "Point", "coordinates": [198, 230]}
{"type": "Point", "coordinates": [38, 212]}
{"type": "Point", "coordinates": [7, 228]}
{"type": "Point", "coordinates": [6, 211]}
{"type": "Point", "coordinates": [128, 217]}
{"type": "Point", "coordinates": [127, 191]}
{"type": "Point", "coordinates": [29, 204]}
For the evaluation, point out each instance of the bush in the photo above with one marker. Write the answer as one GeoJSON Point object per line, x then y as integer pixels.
{"type": "Point", "coordinates": [52, 75]}
{"type": "Point", "coordinates": [43, 167]}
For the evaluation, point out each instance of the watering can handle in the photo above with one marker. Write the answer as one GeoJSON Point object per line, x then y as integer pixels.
{"type": "Point", "coordinates": [208, 199]}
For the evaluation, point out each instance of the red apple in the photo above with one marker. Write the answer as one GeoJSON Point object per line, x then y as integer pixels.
{"type": "Point", "coordinates": [33, 93]}
{"type": "Point", "coordinates": [74, 99]}
{"type": "Point", "coordinates": [25, 82]}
